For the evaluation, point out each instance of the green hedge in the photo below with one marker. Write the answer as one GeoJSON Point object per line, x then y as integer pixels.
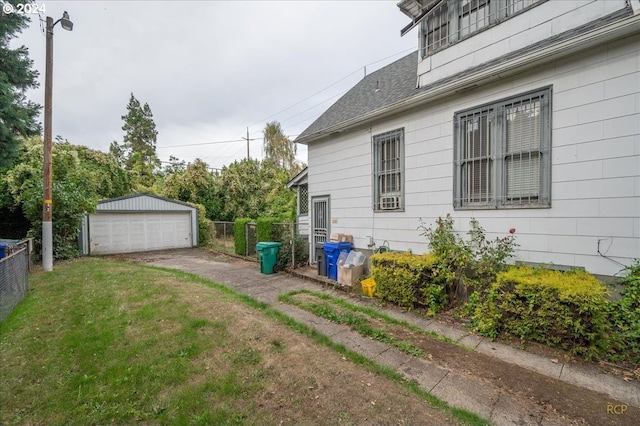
{"type": "Point", "coordinates": [264, 228]}
{"type": "Point", "coordinates": [624, 316]}
{"type": "Point", "coordinates": [240, 235]}
{"type": "Point", "coordinates": [560, 309]}
{"type": "Point", "coordinates": [407, 280]}
{"type": "Point", "coordinates": [204, 225]}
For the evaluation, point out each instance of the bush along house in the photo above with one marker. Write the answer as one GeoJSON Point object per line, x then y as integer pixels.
{"type": "Point", "coordinates": [521, 114]}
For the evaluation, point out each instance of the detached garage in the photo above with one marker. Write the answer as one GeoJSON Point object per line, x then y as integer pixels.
{"type": "Point", "coordinates": [139, 222]}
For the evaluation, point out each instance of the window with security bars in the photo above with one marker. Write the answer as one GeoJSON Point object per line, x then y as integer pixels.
{"type": "Point", "coordinates": [473, 15]}
{"type": "Point", "coordinates": [502, 153]}
{"type": "Point", "coordinates": [388, 170]}
{"type": "Point", "coordinates": [453, 20]}
{"type": "Point", "coordinates": [303, 199]}
{"type": "Point", "coordinates": [436, 34]}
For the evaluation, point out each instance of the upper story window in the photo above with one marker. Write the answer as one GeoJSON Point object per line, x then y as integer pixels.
{"type": "Point", "coordinates": [502, 154]}
{"type": "Point", "coordinates": [388, 170]}
{"type": "Point", "coordinates": [454, 20]}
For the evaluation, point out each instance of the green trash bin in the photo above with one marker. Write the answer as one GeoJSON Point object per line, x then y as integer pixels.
{"type": "Point", "coordinates": [268, 255]}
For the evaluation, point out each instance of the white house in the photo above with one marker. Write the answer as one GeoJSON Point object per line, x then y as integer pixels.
{"type": "Point", "coordinates": [520, 113]}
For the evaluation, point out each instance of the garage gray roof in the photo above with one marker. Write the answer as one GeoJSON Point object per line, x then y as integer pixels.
{"type": "Point", "coordinates": [142, 202]}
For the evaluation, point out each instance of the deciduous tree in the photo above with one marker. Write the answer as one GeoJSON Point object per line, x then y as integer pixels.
{"type": "Point", "coordinates": [81, 176]}
{"type": "Point", "coordinates": [279, 149]}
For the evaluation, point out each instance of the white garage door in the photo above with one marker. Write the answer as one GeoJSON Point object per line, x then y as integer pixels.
{"type": "Point", "coordinates": [111, 233]}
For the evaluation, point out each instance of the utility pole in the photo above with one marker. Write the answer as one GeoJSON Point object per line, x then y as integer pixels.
{"type": "Point", "coordinates": [47, 213]}
{"type": "Point", "coordinates": [47, 193]}
{"type": "Point", "coordinates": [247, 139]}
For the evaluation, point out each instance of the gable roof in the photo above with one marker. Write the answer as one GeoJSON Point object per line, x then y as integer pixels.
{"type": "Point", "coordinates": [393, 88]}
{"type": "Point", "coordinates": [299, 179]}
{"type": "Point", "coordinates": [392, 83]}
{"type": "Point", "coordinates": [142, 202]}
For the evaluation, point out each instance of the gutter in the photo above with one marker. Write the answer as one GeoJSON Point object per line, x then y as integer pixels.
{"type": "Point", "coordinates": [623, 27]}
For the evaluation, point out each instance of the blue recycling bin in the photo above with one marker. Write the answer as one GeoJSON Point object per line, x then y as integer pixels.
{"type": "Point", "coordinates": [331, 252]}
{"type": "Point", "coordinates": [3, 250]}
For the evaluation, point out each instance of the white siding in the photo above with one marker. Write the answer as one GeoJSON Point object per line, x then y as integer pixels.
{"type": "Point", "coordinates": [545, 20]}
{"type": "Point", "coordinates": [595, 165]}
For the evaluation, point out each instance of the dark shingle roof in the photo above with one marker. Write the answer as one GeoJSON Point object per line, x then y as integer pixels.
{"type": "Point", "coordinates": [395, 82]}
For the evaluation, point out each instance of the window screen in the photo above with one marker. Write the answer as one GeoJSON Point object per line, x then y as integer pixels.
{"type": "Point", "coordinates": [388, 163]}
{"type": "Point", "coordinates": [502, 153]}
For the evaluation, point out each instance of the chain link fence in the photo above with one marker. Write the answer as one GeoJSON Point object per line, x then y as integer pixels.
{"type": "Point", "coordinates": [293, 252]}
{"type": "Point", "coordinates": [222, 237]}
{"type": "Point", "coordinates": [14, 271]}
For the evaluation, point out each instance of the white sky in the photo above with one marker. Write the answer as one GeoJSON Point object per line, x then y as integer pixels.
{"type": "Point", "coordinates": [209, 69]}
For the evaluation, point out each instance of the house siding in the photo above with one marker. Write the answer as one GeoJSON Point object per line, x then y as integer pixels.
{"type": "Point", "coordinates": [540, 22]}
{"type": "Point", "coordinates": [595, 164]}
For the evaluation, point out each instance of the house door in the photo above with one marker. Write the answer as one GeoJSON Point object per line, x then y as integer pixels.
{"type": "Point", "coordinates": [319, 223]}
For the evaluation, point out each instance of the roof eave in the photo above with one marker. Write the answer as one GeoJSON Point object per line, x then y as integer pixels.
{"type": "Point", "coordinates": [583, 41]}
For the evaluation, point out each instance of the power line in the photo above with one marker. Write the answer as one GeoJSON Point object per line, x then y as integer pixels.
{"type": "Point", "coordinates": [305, 99]}
{"type": "Point", "coordinates": [328, 87]}
{"type": "Point", "coordinates": [200, 144]}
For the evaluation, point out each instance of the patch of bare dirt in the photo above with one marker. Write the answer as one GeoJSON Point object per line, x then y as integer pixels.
{"type": "Point", "coordinates": [154, 256]}
{"type": "Point", "coordinates": [558, 400]}
{"type": "Point", "coordinates": [303, 382]}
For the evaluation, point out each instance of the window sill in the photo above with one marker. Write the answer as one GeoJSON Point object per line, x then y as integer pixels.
{"type": "Point", "coordinates": [503, 207]}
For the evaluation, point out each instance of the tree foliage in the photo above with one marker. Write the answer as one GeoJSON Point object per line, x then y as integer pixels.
{"type": "Point", "coordinates": [279, 149]}
{"type": "Point", "coordinates": [251, 188]}
{"type": "Point", "coordinates": [17, 114]}
{"type": "Point", "coordinates": [137, 153]}
{"type": "Point", "coordinates": [81, 176]}
{"type": "Point", "coordinates": [194, 184]}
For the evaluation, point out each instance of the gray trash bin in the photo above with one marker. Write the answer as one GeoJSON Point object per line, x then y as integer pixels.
{"type": "Point", "coordinates": [321, 260]}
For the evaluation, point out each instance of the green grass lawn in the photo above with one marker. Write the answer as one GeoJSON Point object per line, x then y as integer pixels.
{"type": "Point", "coordinates": [103, 342]}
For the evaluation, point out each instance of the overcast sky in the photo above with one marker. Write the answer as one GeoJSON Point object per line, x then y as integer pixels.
{"type": "Point", "coordinates": [209, 69]}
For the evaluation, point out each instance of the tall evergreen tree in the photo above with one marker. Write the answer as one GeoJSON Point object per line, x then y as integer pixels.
{"type": "Point", "coordinates": [137, 153]}
{"type": "Point", "coordinates": [17, 114]}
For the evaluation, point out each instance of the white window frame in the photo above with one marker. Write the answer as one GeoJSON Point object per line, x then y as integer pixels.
{"type": "Point", "coordinates": [502, 153]}
{"type": "Point", "coordinates": [388, 171]}
{"type": "Point", "coordinates": [464, 18]}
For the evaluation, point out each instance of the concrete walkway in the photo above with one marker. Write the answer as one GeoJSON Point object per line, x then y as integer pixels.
{"type": "Point", "coordinates": [456, 388]}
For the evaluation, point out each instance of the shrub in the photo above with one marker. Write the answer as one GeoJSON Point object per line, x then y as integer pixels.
{"type": "Point", "coordinates": [407, 280]}
{"type": "Point", "coordinates": [560, 309]}
{"type": "Point", "coordinates": [240, 235]}
{"type": "Point", "coordinates": [265, 229]}
{"type": "Point", "coordinates": [204, 225]}
{"type": "Point", "coordinates": [465, 265]}
{"type": "Point", "coordinates": [624, 317]}
{"type": "Point", "coordinates": [284, 254]}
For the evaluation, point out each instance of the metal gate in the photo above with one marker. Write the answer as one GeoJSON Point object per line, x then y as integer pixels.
{"type": "Point", "coordinates": [319, 222]}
